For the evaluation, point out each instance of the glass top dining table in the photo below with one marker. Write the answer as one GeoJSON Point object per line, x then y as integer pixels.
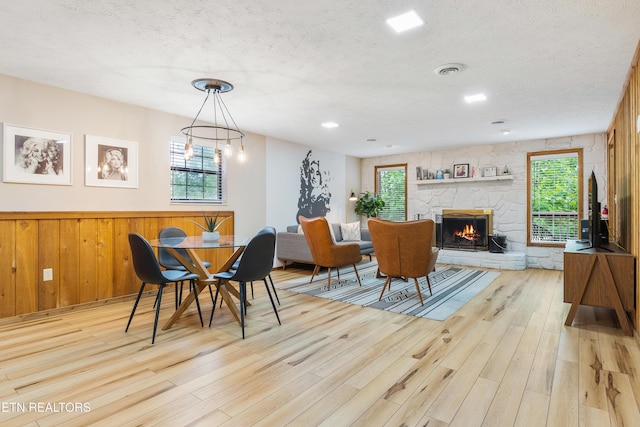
{"type": "Point", "coordinates": [181, 246]}
{"type": "Point", "coordinates": [196, 242]}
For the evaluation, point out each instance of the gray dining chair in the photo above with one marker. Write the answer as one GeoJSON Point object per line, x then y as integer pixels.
{"type": "Point", "coordinates": [148, 271]}
{"type": "Point", "coordinates": [271, 230]}
{"type": "Point", "coordinates": [169, 262]}
{"type": "Point", "coordinates": [255, 264]}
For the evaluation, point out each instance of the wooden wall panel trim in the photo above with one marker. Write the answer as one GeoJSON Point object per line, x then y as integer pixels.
{"type": "Point", "coordinates": [48, 258]}
{"type": "Point", "coordinates": [624, 173]}
{"type": "Point", "coordinates": [88, 287]}
{"type": "Point", "coordinates": [104, 258]}
{"type": "Point", "coordinates": [7, 269]}
{"type": "Point", "coordinates": [87, 251]}
{"type": "Point", "coordinates": [69, 263]}
{"type": "Point", "coordinates": [106, 214]}
{"type": "Point", "coordinates": [26, 266]}
{"type": "Point", "coordinates": [123, 276]}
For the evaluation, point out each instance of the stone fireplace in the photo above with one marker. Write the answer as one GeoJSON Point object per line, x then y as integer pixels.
{"type": "Point", "coordinates": [465, 229]}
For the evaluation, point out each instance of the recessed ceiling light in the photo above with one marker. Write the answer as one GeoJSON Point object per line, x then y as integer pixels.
{"type": "Point", "coordinates": [475, 98]}
{"type": "Point", "coordinates": [405, 22]}
{"type": "Point", "coordinates": [330, 125]}
{"type": "Point", "coordinates": [447, 69]}
{"type": "Point", "coordinates": [505, 131]}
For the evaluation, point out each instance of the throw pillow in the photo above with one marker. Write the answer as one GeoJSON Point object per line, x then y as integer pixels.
{"type": "Point", "coordinates": [333, 235]}
{"type": "Point", "coordinates": [300, 229]}
{"type": "Point", "coordinates": [350, 231]}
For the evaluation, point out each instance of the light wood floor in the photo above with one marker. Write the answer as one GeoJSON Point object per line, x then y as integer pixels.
{"type": "Point", "coordinates": [504, 359]}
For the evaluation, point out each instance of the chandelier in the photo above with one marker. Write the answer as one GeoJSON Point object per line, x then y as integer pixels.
{"type": "Point", "coordinates": [224, 130]}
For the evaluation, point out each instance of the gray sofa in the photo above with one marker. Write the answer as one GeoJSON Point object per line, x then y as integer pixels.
{"type": "Point", "coordinates": [291, 246]}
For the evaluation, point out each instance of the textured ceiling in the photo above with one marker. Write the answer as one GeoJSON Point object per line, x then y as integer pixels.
{"type": "Point", "coordinates": [549, 68]}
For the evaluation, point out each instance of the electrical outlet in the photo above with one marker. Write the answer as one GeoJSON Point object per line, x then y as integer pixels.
{"type": "Point", "coordinates": [47, 274]}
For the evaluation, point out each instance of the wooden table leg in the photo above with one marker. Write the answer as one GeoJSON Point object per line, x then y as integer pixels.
{"type": "Point", "coordinates": [202, 283]}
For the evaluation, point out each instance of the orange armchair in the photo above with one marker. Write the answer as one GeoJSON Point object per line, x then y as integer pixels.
{"type": "Point", "coordinates": [325, 252]}
{"type": "Point", "coordinates": [404, 250]}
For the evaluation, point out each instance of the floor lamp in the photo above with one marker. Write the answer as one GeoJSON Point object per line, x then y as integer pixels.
{"type": "Point", "coordinates": [352, 198]}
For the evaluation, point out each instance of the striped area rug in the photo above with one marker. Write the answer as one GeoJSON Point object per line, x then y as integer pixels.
{"type": "Point", "coordinates": [452, 288]}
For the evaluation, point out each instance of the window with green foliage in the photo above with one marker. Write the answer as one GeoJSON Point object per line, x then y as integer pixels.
{"type": "Point", "coordinates": [391, 185]}
{"type": "Point", "coordinates": [554, 196]}
{"type": "Point", "coordinates": [198, 179]}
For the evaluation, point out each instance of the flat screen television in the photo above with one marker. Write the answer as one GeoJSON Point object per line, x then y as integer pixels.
{"type": "Point", "coordinates": [595, 232]}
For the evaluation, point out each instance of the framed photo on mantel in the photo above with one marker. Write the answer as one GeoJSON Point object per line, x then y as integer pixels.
{"type": "Point", "coordinates": [489, 171]}
{"type": "Point", "coordinates": [461, 170]}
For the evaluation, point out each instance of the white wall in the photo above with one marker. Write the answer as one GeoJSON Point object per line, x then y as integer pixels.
{"type": "Point", "coordinates": [33, 105]}
{"type": "Point", "coordinates": [508, 200]}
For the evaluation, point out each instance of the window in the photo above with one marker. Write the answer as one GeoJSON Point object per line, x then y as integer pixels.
{"type": "Point", "coordinates": [198, 179]}
{"type": "Point", "coordinates": [391, 185]}
{"type": "Point", "coordinates": [554, 195]}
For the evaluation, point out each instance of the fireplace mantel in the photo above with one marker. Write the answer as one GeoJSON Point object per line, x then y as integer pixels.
{"type": "Point", "coordinates": [463, 180]}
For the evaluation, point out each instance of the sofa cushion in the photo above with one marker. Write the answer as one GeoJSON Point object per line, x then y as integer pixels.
{"type": "Point", "coordinates": [366, 247]}
{"type": "Point", "coordinates": [350, 231]}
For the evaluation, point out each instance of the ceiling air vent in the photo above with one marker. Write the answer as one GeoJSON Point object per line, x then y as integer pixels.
{"type": "Point", "coordinates": [446, 69]}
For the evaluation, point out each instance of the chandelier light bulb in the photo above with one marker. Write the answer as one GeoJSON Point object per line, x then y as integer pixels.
{"type": "Point", "coordinates": [216, 156]}
{"type": "Point", "coordinates": [188, 149]}
{"type": "Point", "coordinates": [241, 155]}
{"type": "Point", "coordinates": [227, 149]}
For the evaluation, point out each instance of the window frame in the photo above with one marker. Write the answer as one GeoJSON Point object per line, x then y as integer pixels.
{"type": "Point", "coordinates": [559, 153]}
{"type": "Point", "coordinates": [397, 166]}
{"type": "Point", "coordinates": [176, 146]}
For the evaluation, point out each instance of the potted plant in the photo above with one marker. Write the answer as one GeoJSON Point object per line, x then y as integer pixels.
{"type": "Point", "coordinates": [447, 174]}
{"type": "Point", "coordinates": [369, 205]}
{"type": "Point", "coordinates": [210, 228]}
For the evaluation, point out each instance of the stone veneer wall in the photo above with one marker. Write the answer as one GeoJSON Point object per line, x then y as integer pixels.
{"type": "Point", "coordinates": [507, 199]}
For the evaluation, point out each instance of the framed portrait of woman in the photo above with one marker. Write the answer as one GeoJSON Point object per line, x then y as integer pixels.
{"type": "Point", "coordinates": [33, 156]}
{"type": "Point", "coordinates": [110, 162]}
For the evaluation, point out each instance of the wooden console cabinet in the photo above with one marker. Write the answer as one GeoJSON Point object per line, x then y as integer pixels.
{"type": "Point", "coordinates": [600, 278]}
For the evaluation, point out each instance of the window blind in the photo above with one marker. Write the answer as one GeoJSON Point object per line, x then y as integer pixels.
{"type": "Point", "coordinates": [198, 179]}
{"type": "Point", "coordinates": [555, 198]}
{"type": "Point", "coordinates": [391, 185]}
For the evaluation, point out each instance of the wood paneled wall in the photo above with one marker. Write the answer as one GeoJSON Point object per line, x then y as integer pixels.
{"type": "Point", "coordinates": [624, 171]}
{"type": "Point", "coordinates": [88, 252]}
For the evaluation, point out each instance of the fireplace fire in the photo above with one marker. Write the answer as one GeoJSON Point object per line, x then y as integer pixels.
{"type": "Point", "coordinates": [465, 229]}
{"type": "Point", "coordinates": [468, 233]}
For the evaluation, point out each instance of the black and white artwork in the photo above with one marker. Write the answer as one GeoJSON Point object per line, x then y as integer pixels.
{"type": "Point", "coordinates": [315, 198]}
{"type": "Point", "coordinates": [36, 156]}
{"type": "Point", "coordinates": [110, 162]}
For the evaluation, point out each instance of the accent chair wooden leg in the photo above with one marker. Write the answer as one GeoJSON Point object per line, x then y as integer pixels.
{"type": "Point", "coordinates": [357, 275]}
{"type": "Point", "coordinates": [384, 287]}
{"type": "Point", "coordinates": [316, 269]}
{"type": "Point", "coordinates": [418, 289]}
{"type": "Point", "coordinates": [429, 283]}
{"type": "Point", "coordinates": [328, 278]}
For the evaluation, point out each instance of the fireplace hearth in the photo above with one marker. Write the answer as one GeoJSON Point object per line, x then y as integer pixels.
{"type": "Point", "coordinates": [467, 229]}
